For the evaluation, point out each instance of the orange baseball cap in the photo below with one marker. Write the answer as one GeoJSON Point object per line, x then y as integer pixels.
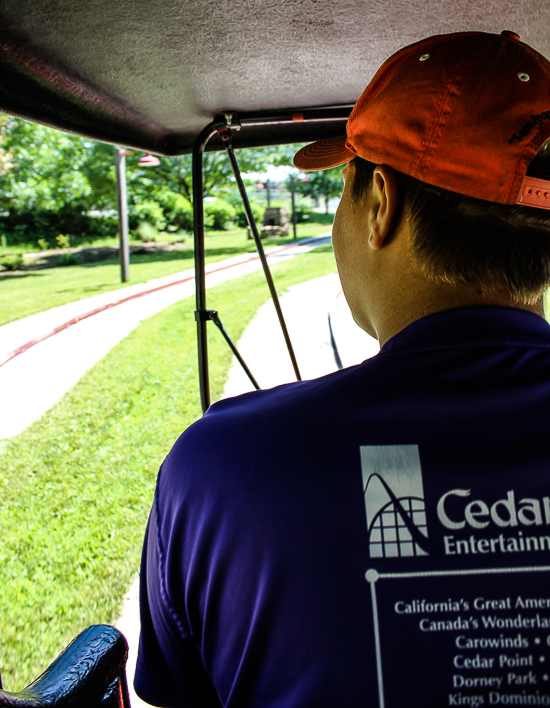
{"type": "Point", "coordinates": [465, 111]}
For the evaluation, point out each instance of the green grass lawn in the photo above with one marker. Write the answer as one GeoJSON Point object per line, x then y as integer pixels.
{"type": "Point", "coordinates": [77, 485]}
{"type": "Point", "coordinates": [26, 293]}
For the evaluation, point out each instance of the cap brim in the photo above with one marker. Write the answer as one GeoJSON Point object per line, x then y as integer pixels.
{"type": "Point", "coordinates": [323, 154]}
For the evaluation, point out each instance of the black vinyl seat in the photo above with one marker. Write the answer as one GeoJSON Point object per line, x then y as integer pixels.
{"type": "Point", "coordinates": [89, 673]}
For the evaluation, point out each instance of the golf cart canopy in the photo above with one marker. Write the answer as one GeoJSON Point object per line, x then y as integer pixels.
{"type": "Point", "coordinates": [150, 74]}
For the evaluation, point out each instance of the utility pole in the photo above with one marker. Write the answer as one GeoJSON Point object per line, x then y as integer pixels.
{"type": "Point", "coordinates": [122, 205]}
{"type": "Point", "coordinates": [293, 206]}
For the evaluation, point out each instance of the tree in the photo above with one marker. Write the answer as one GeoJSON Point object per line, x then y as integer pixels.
{"type": "Point", "coordinates": [46, 171]}
{"type": "Point", "coordinates": [44, 192]}
{"type": "Point", "coordinates": [175, 172]}
{"type": "Point", "coordinates": [325, 184]}
{"type": "Point", "coordinates": [50, 182]}
{"type": "Point", "coordinates": [5, 155]}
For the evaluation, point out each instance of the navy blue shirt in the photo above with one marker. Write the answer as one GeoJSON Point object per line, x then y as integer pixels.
{"type": "Point", "coordinates": [376, 537]}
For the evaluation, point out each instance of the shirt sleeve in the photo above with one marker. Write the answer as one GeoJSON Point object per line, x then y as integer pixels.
{"type": "Point", "coordinates": [169, 670]}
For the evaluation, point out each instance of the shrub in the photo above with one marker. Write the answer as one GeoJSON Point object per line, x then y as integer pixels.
{"type": "Point", "coordinates": [146, 231]}
{"type": "Point", "coordinates": [105, 226]}
{"type": "Point", "coordinates": [13, 262]}
{"type": "Point", "coordinates": [317, 217]}
{"type": "Point", "coordinates": [39, 226]}
{"type": "Point", "coordinates": [67, 259]}
{"type": "Point", "coordinates": [303, 213]}
{"type": "Point", "coordinates": [147, 210]}
{"type": "Point", "coordinates": [218, 214]}
{"type": "Point", "coordinates": [258, 212]}
{"type": "Point", "coordinates": [177, 210]}
{"type": "Point", "coordinates": [63, 241]}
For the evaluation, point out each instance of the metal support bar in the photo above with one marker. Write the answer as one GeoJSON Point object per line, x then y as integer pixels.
{"type": "Point", "coordinates": [225, 133]}
{"type": "Point", "coordinates": [334, 346]}
{"type": "Point", "coordinates": [212, 315]}
{"type": "Point", "coordinates": [200, 274]}
{"type": "Point", "coordinates": [321, 114]}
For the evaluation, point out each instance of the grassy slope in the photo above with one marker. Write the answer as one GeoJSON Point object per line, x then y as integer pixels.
{"type": "Point", "coordinates": [35, 291]}
{"type": "Point", "coordinates": [77, 485]}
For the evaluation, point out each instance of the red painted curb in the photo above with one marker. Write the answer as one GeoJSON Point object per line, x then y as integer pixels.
{"type": "Point", "coordinates": [25, 347]}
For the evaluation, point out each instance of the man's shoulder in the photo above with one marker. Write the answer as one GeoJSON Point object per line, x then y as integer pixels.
{"type": "Point", "coordinates": [258, 425]}
{"type": "Point", "coordinates": [274, 400]}
{"type": "Point", "coordinates": [275, 406]}
{"type": "Point", "coordinates": [452, 354]}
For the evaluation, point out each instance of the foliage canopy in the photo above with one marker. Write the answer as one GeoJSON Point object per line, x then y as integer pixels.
{"type": "Point", "coordinates": [52, 183]}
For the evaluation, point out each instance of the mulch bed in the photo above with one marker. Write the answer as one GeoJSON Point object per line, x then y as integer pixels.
{"type": "Point", "coordinates": [56, 257]}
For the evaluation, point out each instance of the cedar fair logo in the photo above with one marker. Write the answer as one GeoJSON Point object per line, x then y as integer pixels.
{"type": "Point", "coordinates": [526, 129]}
{"type": "Point", "coordinates": [396, 515]}
{"type": "Point", "coordinates": [394, 501]}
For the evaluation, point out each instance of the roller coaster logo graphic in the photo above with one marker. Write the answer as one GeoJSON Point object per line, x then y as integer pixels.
{"type": "Point", "coordinates": [394, 501]}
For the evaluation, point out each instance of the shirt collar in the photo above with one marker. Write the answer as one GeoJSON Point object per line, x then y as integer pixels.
{"type": "Point", "coordinates": [490, 325]}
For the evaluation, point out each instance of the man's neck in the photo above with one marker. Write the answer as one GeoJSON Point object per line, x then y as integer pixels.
{"type": "Point", "coordinates": [421, 302]}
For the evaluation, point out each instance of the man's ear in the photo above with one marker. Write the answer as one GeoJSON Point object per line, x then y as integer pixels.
{"type": "Point", "coordinates": [384, 205]}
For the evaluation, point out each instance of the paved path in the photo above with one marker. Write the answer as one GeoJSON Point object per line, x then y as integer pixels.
{"type": "Point", "coordinates": [311, 310]}
{"type": "Point", "coordinates": [39, 375]}
{"type": "Point", "coordinates": [44, 355]}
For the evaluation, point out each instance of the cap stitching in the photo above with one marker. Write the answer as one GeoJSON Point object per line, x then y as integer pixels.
{"type": "Point", "coordinates": [324, 148]}
{"type": "Point", "coordinates": [435, 131]}
{"type": "Point", "coordinates": [390, 66]}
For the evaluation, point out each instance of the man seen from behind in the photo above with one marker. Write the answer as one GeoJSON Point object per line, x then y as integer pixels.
{"type": "Point", "coordinates": [381, 536]}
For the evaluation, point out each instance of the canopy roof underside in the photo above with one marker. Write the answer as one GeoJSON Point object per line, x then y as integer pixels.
{"type": "Point", "coordinates": [151, 74]}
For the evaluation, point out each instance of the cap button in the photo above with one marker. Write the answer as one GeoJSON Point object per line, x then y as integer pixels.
{"type": "Point", "coordinates": [510, 35]}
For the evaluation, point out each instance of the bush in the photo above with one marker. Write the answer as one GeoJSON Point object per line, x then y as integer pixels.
{"type": "Point", "coordinates": [13, 262]}
{"type": "Point", "coordinates": [317, 217]}
{"type": "Point", "coordinates": [39, 226]}
{"type": "Point", "coordinates": [63, 241]}
{"type": "Point", "coordinates": [304, 214]}
{"type": "Point", "coordinates": [68, 259]}
{"type": "Point", "coordinates": [146, 231]}
{"type": "Point", "coordinates": [177, 210]}
{"type": "Point", "coordinates": [147, 210]}
{"type": "Point", "coordinates": [105, 226]}
{"type": "Point", "coordinates": [258, 212]}
{"type": "Point", "coordinates": [218, 214]}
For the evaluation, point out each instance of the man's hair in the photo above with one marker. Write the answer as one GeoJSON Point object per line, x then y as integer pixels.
{"type": "Point", "coordinates": [465, 241]}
